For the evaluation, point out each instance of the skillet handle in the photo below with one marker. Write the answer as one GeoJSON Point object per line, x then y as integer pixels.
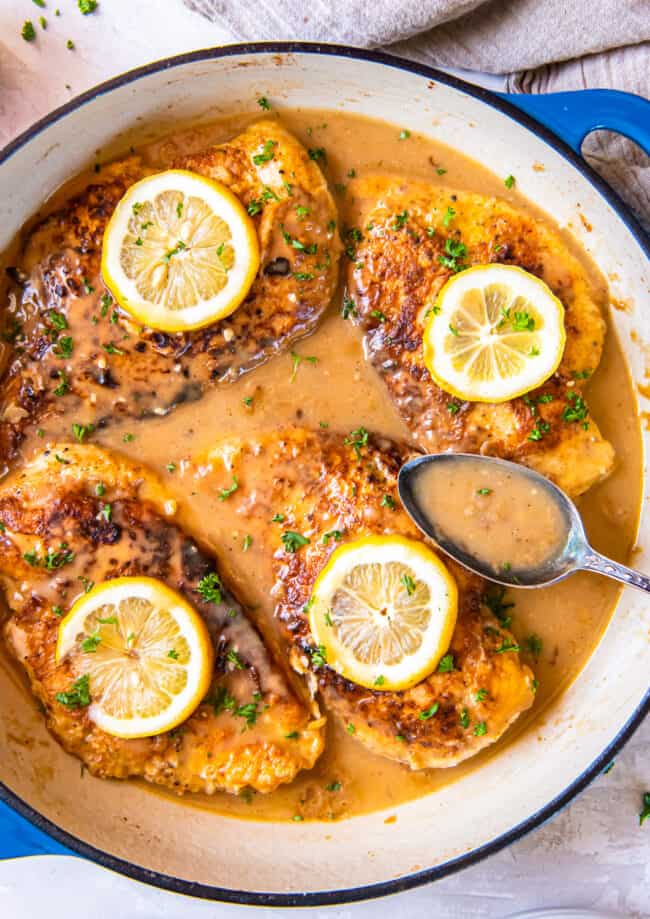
{"type": "Point", "coordinates": [18, 837]}
{"type": "Point", "coordinates": [573, 115]}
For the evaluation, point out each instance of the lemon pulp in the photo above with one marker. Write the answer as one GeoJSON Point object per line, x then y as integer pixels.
{"type": "Point", "coordinates": [145, 650]}
{"type": "Point", "coordinates": [495, 333]}
{"type": "Point", "coordinates": [180, 251]}
{"type": "Point", "coordinates": [383, 611]}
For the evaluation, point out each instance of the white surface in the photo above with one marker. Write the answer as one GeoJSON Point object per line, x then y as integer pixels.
{"type": "Point", "coordinates": [592, 855]}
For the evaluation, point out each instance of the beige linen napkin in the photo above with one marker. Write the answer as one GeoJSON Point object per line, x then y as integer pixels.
{"type": "Point", "coordinates": [542, 45]}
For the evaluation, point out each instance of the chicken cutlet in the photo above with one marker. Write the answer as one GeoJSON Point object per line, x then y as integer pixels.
{"type": "Point", "coordinates": [70, 344]}
{"type": "Point", "coordinates": [411, 238]}
{"type": "Point", "coordinates": [330, 490]}
{"type": "Point", "coordinates": [77, 515]}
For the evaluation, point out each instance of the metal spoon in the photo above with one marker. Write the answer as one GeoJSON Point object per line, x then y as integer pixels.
{"type": "Point", "coordinates": [573, 554]}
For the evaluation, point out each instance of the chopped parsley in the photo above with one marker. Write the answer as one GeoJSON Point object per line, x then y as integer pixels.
{"type": "Point", "coordinates": [539, 431]}
{"type": "Point", "coordinates": [180, 245]}
{"type": "Point", "coordinates": [78, 696]}
{"type": "Point", "coordinates": [509, 181]}
{"type": "Point", "coordinates": [112, 348]}
{"type": "Point", "coordinates": [266, 155]}
{"type": "Point", "coordinates": [447, 664]}
{"type": "Point", "coordinates": [317, 153]}
{"type": "Point", "coordinates": [54, 558]}
{"type": "Point", "coordinates": [333, 786]}
{"type": "Point", "coordinates": [296, 361]}
{"type": "Point", "coordinates": [404, 134]}
{"type": "Point", "coordinates": [401, 220]}
{"type": "Point", "coordinates": [464, 719]}
{"type": "Point", "coordinates": [429, 712]}
{"type": "Point", "coordinates": [64, 384]}
{"type": "Point", "coordinates": [58, 320]}
{"type": "Point", "coordinates": [87, 286]}
{"type": "Point", "coordinates": [450, 213]}
{"type": "Point", "coordinates": [380, 680]}
{"type": "Point", "coordinates": [293, 735]}
{"type": "Point", "coordinates": [481, 695]}
{"type": "Point", "coordinates": [227, 492]}
{"type": "Point", "coordinates": [81, 431]}
{"type": "Point", "coordinates": [233, 658]}
{"type": "Point", "coordinates": [357, 439]}
{"type": "Point", "coordinates": [87, 6]}
{"type": "Point", "coordinates": [507, 645]}
{"type": "Point", "coordinates": [171, 467]}
{"type": "Point", "coordinates": [128, 438]}
{"type": "Point", "coordinates": [576, 411]}
{"type": "Point", "coordinates": [336, 535]}
{"type": "Point", "coordinates": [534, 645]}
{"type": "Point", "coordinates": [351, 729]}
{"type": "Point", "coordinates": [28, 31]}
{"type": "Point", "coordinates": [90, 643]}
{"type": "Point", "coordinates": [408, 583]}
{"type": "Point", "coordinates": [318, 657]}
{"type": "Point", "coordinates": [480, 729]}
{"type": "Point", "coordinates": [453, 408]}
{"type": "Point", "coordinates": [210, 587]}
{"type": "Point", "coordinates": [247, 542]}
{"type": "Point", "coordinates": [483, 491]}
{"type": "Point", "coordinates": [301, 211]}
{"type": "Point", "coordinates": [454, 251]}
{"type": "Point", "coordinates": [223, 701]}
{"type": "Point", "coordinates": [645, 808]}
{"type": "Point", "coordinates": [173, 653]}
{"type": "Point", "coordinates": [293, 541]}
{"type": "Point", "coordinates": [86, 583]}
{"type": "Point", "coordinates": [254, 207]}
{"type": "Point", "coordinates": [348, 307]}
{"type": "Point", "coordinates": [388, 501]}
{"type": "Point", "coordinates": [495, 602]}
{"type": "Point", "coordinates": [454, 331]}
{"type": "Point", "coordinates": [264, 103]}
{"type": "Point", "coordinates": [378, 315]}
{"type": "Point", "coordinates": [277, 518]}
{"type": "Point", "coordinates": [64, 347]}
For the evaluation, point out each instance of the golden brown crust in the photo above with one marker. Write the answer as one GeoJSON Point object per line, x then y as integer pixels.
{"type": "Point", "coordinates": [53, 504]}
{"type": "Point", "coordinates": [394, 276]}
{"type": "Point", "coordinates": [319, 484]}
{"type": "Point", "coordinates": [58, 294]}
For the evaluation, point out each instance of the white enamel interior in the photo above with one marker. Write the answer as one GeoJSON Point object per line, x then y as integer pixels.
{"type": "Point", "coordinates": [533, 770]}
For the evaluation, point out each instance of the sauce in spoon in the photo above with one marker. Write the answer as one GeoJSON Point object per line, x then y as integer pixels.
{"type": "Point", "coordinates": [492, 512]}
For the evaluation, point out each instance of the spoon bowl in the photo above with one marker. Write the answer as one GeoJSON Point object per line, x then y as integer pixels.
{"type": "Point", "coordinates": [572, 550]}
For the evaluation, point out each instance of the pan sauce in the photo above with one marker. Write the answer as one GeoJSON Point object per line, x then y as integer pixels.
{"type": "Point", "coordinates": [341, 390]}
{"type": "Point", "coordinates": [495, 514]}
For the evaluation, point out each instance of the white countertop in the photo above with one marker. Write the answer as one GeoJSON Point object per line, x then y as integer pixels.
{"type": "Point", "coordinates": [591, 855]}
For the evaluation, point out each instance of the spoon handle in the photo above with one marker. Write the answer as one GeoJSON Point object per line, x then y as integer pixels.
{"type": "Point", "coordinates": [594, 561]}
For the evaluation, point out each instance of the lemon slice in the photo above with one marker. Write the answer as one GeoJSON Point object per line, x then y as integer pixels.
{"type": "Point", "coordinates": [180, 251]}
{"type": "Point", "coordinates": [495, 333]}
{"type": "Point", "coordinates": [146, 653]}
{"type": "Point", "coordinates": [383, 611]}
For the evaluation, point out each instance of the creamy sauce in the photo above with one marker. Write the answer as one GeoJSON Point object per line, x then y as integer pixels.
{"type": "Point", "coordinates": [494, 513]}
{"type": "Point", "coordinates": [342, 391]}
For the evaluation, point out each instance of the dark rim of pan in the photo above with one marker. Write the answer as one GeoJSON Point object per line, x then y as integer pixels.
{"type": "Point", "coordinates": [416, 879]}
